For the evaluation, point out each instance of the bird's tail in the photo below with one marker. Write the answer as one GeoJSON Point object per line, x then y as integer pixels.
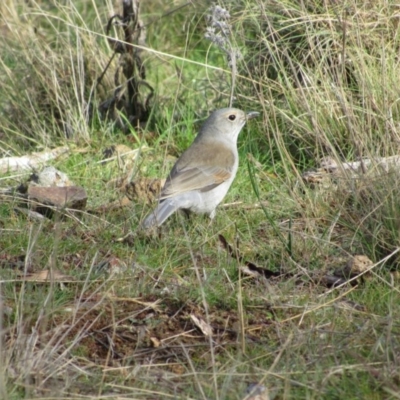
{"type": "Point", "coordinates": [158, 216]}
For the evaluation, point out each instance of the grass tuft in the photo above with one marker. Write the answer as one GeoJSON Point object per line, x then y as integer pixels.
{"type": "Point", "coordinates": [116, 319]}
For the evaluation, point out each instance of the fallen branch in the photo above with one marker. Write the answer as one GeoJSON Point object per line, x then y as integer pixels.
{"type": "Point", "coordinates": [330, 170]}
{"type": "Point", "coordinates": [30, 161]}
{"type": "Point", "coordinates": [129, 103]}
{"type": "Point", "coordinates": [362, 166]}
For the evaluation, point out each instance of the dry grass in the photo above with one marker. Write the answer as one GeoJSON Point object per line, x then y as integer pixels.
{"type": "Point", "coordinates": [121, 324]}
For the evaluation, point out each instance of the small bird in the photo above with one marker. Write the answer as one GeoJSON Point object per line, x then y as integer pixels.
{"type": "Point", "coordinates": [201, 177]}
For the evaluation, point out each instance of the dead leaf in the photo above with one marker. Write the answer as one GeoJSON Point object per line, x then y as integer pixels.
{"type": "Point", "coordinates": [156, 343]}
{"type": "Point", "coordinates": [202, 325]}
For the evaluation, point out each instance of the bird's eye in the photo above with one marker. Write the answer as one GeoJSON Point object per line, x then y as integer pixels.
{"type": "Point", "coordinates": [232, 117]}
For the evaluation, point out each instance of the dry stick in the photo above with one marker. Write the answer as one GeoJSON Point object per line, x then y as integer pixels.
{"type": "Point", "coordinates": [134, 30]}
{"type": "Point", "coordinates": [274, 364]}
{"type": "Point", "coordinates": [132, 66]}
{"type": "Point", "coordinates": [205, 305]}
{"type": "Point", "coordinates": [109, 353]}
{"type": "Point", "coordinates": [3, 391]}
{"type": "Point", "coordinates": [33, 237]}
{"type": "Point", "coordinates": [100, 78]}
{"type": "Point", "coordinates": [31, 161]}
{"type": "Point", "coordinates": [240, 302]}
{"type": "Point", "coordinates": [241, 314]}
{"type": "Point", "coordinates": [194, 371]}
{"type": "Point", "coordinates": [42, 322]}
{"type": "Point", "coordinates": [129, 14]}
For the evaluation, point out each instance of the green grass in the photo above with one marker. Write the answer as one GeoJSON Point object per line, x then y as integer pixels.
{"type": "Point", "coordinates": [325, 79]}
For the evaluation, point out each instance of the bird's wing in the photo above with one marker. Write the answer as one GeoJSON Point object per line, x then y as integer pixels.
{"type": "Point", "coordinates": [196, 178]}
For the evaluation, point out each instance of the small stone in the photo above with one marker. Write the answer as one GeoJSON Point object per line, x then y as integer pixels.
{"type": "Point", "coordinates": [359, 264]}
{"type": "Point", "coordinates": [40, 198]}
{"type": "Point", "coordinates": [50, 176]}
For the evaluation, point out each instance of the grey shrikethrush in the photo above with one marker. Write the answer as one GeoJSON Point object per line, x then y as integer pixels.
{"type": "Point", "coordinates": [202, 175]}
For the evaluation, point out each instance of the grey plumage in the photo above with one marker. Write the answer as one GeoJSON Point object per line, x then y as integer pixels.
{"type": "Point", "coordinates": [203, 174]}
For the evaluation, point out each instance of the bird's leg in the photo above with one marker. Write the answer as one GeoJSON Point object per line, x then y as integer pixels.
{"type": "Point", "coordinates": [185, 212]}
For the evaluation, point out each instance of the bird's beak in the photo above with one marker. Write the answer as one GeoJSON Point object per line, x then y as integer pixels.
{"type": "Point", "coordinates": [252, 114]}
